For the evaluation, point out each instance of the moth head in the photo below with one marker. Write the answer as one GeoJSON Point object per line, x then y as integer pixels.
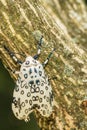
{"type": "Point", "coordinates": [29, 61]}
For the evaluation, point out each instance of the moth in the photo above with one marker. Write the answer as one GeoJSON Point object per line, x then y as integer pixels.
{"type": "Point", "coordinates": [33, 89]}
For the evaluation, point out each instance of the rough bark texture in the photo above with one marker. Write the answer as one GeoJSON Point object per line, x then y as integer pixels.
{"type": "Point", "coordinates": [63, 24]}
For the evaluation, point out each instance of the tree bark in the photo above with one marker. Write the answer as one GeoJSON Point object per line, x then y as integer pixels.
{"type": "Point", "coordinates": [64, 26]}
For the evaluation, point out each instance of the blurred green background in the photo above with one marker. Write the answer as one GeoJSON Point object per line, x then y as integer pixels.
{"type": "Point", "coordinates": [7, 119]}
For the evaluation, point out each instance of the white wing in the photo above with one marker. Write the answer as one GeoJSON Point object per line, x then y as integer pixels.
{"type": "Point", "coordinates": [32, 91]}
{"type": "Point", "coordinates": [22, 103]}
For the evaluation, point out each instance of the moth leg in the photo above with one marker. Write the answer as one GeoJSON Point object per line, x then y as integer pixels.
{"type": "Point", "coordinates": [48, 58]}
{"type": "Point", "coordinates": [12, 55]}
{"type": "Point", "coordinates": [39, 48]}
{"type": "Point", "coordinates": [13, 71]}
{"type": "Point", "coordinates": [16, 72]}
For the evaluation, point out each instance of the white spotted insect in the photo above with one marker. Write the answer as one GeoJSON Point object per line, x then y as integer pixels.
{"type": "Point", "coordinates": [33, 90]}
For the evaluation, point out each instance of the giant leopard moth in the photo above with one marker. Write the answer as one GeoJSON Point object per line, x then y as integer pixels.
{"type": "Point", "coordinates": [33, 89]}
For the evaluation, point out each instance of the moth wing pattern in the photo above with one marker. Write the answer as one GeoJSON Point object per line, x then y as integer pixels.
{"type": "Point", "coordinates": [20, 106]}
{"type": "Point", "coordinates": [32, 91]}
{"type": "Point", "coordinates": [45, 97]}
